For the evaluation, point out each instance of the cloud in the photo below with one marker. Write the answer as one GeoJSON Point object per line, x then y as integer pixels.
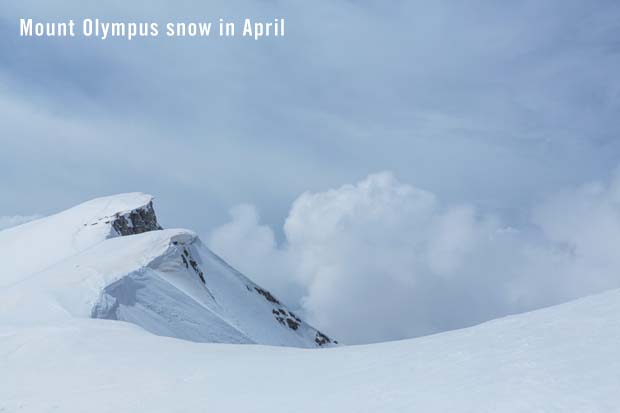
{"type": "Point", "coordinates": [383, 260]}
{"type": "Point", "coordinates": [243, 236]}
{"type": "Point", "coordinates": [488, 108]}
{"type": "Point", "coordinates": [7, 222]}
{"type": "Point", "coordinates": [483, 96]}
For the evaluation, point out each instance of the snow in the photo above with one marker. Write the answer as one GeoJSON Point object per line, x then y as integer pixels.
{"type": "Point", "coordinates": [154, 343]}
{"type": "Point", "coordinates": [36, 245]}
{"type": "Point", "coordinates": [165, 281]}
{"type": "Point", "coordinates": [561, 359]}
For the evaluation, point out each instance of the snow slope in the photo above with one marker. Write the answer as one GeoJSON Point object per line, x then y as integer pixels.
{"type": "Point", "coordinates": [109, 258]}
{"type": "Point", "coordinates": [82, 292]}
{"type": "Point", "coordinates": [34, 246]}
{"type": "Point", "coordinates": [560, 359]}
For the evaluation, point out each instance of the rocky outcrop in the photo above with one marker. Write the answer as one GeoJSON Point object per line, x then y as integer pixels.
{"type": "Point", "coordinates": [137, 221]}
{"type": "Point", "coordinates": [268, 296]}
{"type": "Point", "coordinates": [321, 339]}
{"type": "Point", "coordinates": [289, 319]}
{"type": "Point", "coordinates": [188, 261]}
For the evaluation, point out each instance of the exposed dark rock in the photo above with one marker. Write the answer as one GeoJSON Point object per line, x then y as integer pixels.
{"type": "Point", "coordinates": [281, 316]}
{"type": "Point", "coordinates": [267, 295]}
{"type": "Point", "coordinates": [137, 221]}
{"type": "Point", "coordinates": [189, 261]}
{"type": "Point", "coordinates": [321, 339]}
{"type": "Point", "coordinates": [292, 323]}
{"type": "Point", "coordinates": [195, 266]}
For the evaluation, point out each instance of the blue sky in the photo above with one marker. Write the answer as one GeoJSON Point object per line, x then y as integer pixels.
{"type": "Point", "coordinates": [491, 104]}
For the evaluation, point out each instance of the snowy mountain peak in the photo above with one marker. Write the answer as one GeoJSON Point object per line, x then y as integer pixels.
{"type": "Point", "coordinates": [133, 221]}
{"type": "Point", "coordinates": [109, 258]}
{"type": "Point", "coordinates": [126, 214]}
{"type": "Point", "coordinates": [117, 204]}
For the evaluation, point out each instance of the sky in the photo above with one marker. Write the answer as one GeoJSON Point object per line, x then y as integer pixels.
{"type": "Point", "coordinates": [421, 129]}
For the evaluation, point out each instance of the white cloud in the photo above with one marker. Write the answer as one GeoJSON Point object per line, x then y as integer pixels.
{"type": "Point", "coordinates": [383, 260]}
{"type": "Point", "coordinates": [484, 96]}
{"type": "Point", "coordinates": [252, 248]}
{"type": "Point", "coordinates": [12, 221]}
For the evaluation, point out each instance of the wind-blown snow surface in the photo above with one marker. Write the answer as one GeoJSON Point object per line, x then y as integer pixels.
{"type": "Point", "coordinates": [109, 258]}
{"type": "Point", "coordinates": [560, 359]}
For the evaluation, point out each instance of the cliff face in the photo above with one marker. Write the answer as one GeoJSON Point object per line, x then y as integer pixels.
{"type": "Point", "coordinates": [137, 221]}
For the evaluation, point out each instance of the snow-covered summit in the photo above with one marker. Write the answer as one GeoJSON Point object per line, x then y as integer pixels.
{"type": "Point", "coordinates": [115, 204]}
{"type": "Point", "coordinates": [36, 245]}
{"type": "Point", "coordinates": [109, 258]}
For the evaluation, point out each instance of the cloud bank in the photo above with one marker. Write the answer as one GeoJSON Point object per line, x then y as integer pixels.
{"type": "Point", "coordinates": [383, 260]}
{"type": "Point", "coordinates": [491, 106]}
{"type": "Point", "coordinates": [462, 98]}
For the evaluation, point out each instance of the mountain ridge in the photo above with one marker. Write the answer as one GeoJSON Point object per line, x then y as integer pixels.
{"type": "Point", "coordinates": [120, 264]}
